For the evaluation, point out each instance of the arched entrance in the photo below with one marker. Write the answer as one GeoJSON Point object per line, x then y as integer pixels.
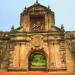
{"type": "Point", "coordinates": [37, 61]}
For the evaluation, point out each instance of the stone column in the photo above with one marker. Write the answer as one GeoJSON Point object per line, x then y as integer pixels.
{"type": "Point", "coordinates": [57, 55]}
{"type": "Point", "coordinates": [52, 55]}
{"type": "Point", "coordinates": [23, 57]}
{"type": "Point", "coordinates": [16, 56]}
{"type": "Point", "coordinates": [69, 58]}
{"type": "Point", "coordinates": [46, 23]}
{"type": "Point", "coordinates": [25, 23]}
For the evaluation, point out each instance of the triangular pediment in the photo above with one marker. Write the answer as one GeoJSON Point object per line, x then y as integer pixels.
{"type": "Point", "coordinates": [36, 7]}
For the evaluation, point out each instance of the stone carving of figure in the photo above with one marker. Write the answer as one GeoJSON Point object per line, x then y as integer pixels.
{"type": "Point", "coordinates": [37, 26]}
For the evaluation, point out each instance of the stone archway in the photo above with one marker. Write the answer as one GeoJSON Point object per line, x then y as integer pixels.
{"type": "Point", "coordinates": [37, 61]}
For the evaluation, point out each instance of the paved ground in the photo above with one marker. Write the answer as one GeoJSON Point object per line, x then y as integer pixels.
{"type": "Point", "coordinates": [35, 73]}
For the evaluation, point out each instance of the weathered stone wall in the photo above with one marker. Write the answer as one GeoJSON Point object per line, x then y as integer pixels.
{"type": "Point", "coordinates": [24, 45]}
{"type": "Point", "coordinates": [70, 51]}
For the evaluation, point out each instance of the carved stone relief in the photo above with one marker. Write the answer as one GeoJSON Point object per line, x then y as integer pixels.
{"type": "Point", "coordinates": [37, 41]}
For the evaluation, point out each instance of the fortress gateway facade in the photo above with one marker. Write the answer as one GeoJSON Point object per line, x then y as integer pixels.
{"type": "Point", "coordinates": [37, 44]}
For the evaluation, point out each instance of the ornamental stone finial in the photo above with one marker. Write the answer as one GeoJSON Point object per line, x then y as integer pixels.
{"type": "Point", "coordinates": [25, 7]}
{"type": "Point", "coordinates": [12, 28]}
{"type": "Point", "coordinates": [36, 1]}
{"type": "Point", "coordinates": [62, 27]}
{"type": "Point", "coordinates": [48, 7]}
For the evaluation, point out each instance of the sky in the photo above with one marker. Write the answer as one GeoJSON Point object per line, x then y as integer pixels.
{"type": "Point", "coordinates": [10, 12]}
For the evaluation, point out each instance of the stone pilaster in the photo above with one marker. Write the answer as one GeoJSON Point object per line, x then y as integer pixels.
{"type": "Point", "coordinates": [69, 59]}
{"type": "Point", "coordinates": [16, 56]}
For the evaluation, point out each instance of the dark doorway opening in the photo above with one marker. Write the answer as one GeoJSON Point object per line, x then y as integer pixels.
{"type": "Point", "coordinates": [37, 61]}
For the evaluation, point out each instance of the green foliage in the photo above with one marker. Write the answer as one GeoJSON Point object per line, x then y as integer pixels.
{"type": "Point", "coordinates": [38, 60]}
{"type": "Point", "coordinates": [1, 30]}
{"type": "Point", "coordinates": [15, 30]}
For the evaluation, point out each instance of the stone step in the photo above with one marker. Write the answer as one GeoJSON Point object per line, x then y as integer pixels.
{"type": "Point", "coordinates": [36, 73]}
